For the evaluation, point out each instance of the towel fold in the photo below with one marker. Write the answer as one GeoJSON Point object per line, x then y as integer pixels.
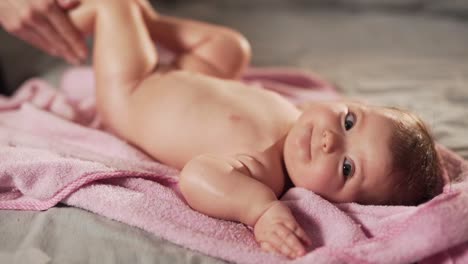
{"type": "Point", "coordinates": [52, 149]}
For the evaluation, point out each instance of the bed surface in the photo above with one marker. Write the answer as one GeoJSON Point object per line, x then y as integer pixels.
{"type": "Point", "coordinates": [411, 54]}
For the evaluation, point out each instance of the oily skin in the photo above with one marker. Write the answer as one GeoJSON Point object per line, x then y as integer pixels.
{"type": "Point", "coordinates": [228, 139]}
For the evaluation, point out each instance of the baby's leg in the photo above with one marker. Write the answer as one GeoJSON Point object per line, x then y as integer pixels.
{"type": "Point", "coordinates": [124, 53]}
{"type": "Point", "coordinates": [210, 49]}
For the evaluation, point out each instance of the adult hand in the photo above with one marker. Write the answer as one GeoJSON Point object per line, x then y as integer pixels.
{"type": "Point", "coordinates": [45, 25]}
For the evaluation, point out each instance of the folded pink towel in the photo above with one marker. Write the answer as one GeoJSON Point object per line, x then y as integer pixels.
{"type": "Point", "coordinates": [52, 150]}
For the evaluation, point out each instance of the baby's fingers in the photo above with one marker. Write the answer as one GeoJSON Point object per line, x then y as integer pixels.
{"type": "Point", "coordinates": [268, 247]}
{"type": "Point", "coordinates": [299, 232]}
{"type": "Point", "coordinates": [276, 244]}
{"type": "Point", "coordinates": [290, 239]}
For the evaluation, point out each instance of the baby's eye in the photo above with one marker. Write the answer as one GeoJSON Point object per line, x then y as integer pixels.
{"type": "Point", "coordinates": [349, 121]}
{"type": "Point", "coordinates": [348, 168]}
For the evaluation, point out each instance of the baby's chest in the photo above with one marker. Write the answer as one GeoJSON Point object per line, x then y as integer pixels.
{"type": "Point", "coordinates": [224, 124]}
{"type": "Point", "coordinates": [182, 118]}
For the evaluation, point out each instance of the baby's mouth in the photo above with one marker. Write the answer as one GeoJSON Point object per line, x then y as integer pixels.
{"type": "Point", "coordinates": [304, 143]}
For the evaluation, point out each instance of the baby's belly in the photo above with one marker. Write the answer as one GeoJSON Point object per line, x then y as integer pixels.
{"type": "Point", "coordinates": [184, 118]}
{"type": "Point", "coordinates": [182, 139]}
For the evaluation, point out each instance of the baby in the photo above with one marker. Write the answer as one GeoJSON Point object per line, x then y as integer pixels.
{"type": "Point", "coordinates": [240, 148]}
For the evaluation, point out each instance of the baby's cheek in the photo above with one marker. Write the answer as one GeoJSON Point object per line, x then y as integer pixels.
{"type": "Point", "coordinates": [324, 178]}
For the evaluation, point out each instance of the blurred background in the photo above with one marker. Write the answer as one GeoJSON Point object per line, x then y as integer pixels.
{"type": "Point", "coordinates": [305, 33]}
{"type": "Point", "coordinates": [408, 53]}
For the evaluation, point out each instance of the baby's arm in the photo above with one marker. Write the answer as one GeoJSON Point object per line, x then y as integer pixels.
{"type": "Point", "coordinates": [223, 188]}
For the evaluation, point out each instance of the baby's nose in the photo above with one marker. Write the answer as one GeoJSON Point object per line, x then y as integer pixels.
{"type": "Point", "coordinates": [329, 141]}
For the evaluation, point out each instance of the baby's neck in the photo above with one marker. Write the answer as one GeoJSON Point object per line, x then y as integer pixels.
{"type": "Point", "coordinates": [288, 184]}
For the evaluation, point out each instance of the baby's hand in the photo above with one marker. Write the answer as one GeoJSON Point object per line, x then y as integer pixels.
{"type": "Point", "coordinates": [277, 231]}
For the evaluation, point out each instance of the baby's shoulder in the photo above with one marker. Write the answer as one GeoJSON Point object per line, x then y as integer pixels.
{"type": "Point", "coordinates": [264, 167]}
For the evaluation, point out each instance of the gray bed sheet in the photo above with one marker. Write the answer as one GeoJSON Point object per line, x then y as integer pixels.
{"type": "Point", "coordinates": [411, 54]}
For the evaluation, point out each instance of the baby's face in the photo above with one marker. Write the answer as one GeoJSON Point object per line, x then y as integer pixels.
{"type": "Point", "coordinates": [340, 150]}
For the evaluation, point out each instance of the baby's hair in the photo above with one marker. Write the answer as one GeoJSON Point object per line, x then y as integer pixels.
{"type": "Point", "coordinates": [415, 161]}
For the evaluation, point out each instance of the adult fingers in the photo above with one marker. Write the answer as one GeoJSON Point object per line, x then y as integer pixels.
{"type": "Point", "coordinates": [18, 21]}
{"type": "Point", "coordinates": [68, 32]}
{"type": "Point", "coordinates": [52, 38]}
{"type": "Point", "coordinates": [30, 36]}
{"type": "Point", "coordinates": [41, 16]}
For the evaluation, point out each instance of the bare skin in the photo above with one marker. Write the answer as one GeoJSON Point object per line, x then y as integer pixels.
{"type": "Point", "coordinates": [43, 24]}
{"type": "Point", "coordinates": [228, 139]}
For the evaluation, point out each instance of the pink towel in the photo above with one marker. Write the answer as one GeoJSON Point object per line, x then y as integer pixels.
{"type": "Point", "coordinates": [52, 150]}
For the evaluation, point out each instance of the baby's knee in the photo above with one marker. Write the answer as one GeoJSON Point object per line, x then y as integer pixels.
{"type": "Point", "coordinates": [230, 51]}
{"type": "Point", "coordinates": [241, 50]}
{"type": "Point", "coordinates": [242, 46]}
